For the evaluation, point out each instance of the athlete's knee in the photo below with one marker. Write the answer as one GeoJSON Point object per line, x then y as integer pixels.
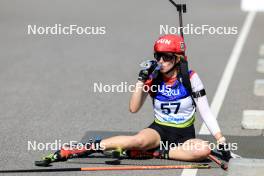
{"type": "Point", "coordinates": [201, 150]}
{"type": "Point", "coordinates": [202, 153]}
{"type": "Point", "coordinates": [140, 142]}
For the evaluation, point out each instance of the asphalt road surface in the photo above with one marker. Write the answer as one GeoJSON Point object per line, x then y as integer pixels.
{"type": "Point", "coordinates": [47, 81]}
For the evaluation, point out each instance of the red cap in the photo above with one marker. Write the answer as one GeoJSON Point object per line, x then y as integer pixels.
{"type": "Point", "coordinates": [170, 43]}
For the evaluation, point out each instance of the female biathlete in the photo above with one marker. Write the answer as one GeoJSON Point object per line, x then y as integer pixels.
{"type": "Point", "coordinates": [174, 108]}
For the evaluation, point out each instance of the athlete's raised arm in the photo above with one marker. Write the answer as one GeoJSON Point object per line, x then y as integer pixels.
{"type": "Point", "coordinates": [138, 97]}
{"type": "Point", "coordinates": [144, 80]}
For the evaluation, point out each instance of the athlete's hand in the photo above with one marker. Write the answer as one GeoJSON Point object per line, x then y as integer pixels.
{"type": "Point", "coordinates": [223, 147]}
{"type": "Point", "coordinates": [147, 70]}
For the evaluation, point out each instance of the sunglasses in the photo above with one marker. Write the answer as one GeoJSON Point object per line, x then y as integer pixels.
{"type": "Point", "coordinates": [165, 56]}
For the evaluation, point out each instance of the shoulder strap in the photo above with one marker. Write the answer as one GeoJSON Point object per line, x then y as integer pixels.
{"type": "Point", "coordinates": [184, 73]}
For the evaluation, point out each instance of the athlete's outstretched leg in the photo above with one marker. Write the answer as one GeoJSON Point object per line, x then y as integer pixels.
{"type": "Point", "coordinates": [144, 140]}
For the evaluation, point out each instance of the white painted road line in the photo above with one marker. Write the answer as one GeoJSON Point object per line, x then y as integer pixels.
{"type": "Point", "coordinates": [253, 119]}
{"type": "Point", "coordinates": [226, 78]}
{"type": "Point", "coordinates": [260, 66]}
{"type": "Point", "coordinates": [261, 50]}
{"type": "Point", "coordinates": [259, 87]}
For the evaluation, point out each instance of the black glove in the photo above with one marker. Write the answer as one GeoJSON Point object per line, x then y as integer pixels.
{"type": "Point", "coordinates": [150, 69]}
{"type": "Point", "coordinates": [224, 149]}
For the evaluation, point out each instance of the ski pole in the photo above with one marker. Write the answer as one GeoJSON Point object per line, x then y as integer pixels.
{"type": "Point", "coordinates": [148, 167]}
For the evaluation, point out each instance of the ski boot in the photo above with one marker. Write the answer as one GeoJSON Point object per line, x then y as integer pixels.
{"type": "Point", "coordinates": [64, 154]}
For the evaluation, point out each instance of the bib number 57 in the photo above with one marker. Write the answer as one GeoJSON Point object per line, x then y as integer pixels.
{"type": "Point", "coordinates": [167, 108]}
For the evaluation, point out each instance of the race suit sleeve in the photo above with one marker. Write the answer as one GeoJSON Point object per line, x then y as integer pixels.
{"type": "Point", "coordinates": [203, 106]}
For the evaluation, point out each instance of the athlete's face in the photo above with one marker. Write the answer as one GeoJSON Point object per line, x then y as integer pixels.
{"type": "Point", "coordinates": [167, 61]}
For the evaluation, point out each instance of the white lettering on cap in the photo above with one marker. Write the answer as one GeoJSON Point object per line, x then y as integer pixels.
{"type": "Point", "coordinates": [165, 41]}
